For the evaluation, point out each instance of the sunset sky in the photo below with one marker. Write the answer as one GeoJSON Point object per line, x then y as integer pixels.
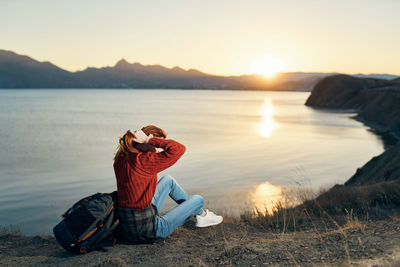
{"type": "Point", "coordinates": [217, 36]}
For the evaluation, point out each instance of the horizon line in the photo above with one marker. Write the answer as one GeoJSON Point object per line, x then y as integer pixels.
{"type": "Point", "coordinates": [194, 69]}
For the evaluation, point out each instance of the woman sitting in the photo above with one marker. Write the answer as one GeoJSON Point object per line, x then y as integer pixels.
{"type": "Point", "coordinates": [140, 156]}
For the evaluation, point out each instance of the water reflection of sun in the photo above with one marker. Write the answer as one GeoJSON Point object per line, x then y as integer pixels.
{"type": "Point", "coordinates": [266, 197]}
{"type": "Point", "coordinates": [268, 124]}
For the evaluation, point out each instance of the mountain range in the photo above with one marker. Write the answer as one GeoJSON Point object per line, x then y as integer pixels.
{"type": "Point", "coordinates": [19, 71]}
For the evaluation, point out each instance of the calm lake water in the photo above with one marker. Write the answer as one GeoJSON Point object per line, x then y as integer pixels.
{"type": "Point", "coordinates": [242, 147]}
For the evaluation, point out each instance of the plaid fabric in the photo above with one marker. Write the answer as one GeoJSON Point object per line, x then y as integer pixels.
{"type": "Point", "coordinates": [137, 226]}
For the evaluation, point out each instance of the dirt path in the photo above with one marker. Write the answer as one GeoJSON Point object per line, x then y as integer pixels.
{"type": "Point", "coordinates": [359, 244]}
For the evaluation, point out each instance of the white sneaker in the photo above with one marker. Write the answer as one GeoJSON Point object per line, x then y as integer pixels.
{"type": "Point", "coordinates": [209, 219]}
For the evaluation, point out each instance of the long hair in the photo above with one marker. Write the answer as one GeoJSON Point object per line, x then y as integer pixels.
{"type": "Point", "coordinates": [127, 145]}
{"type": "Point", "coordinates": [155, 131]}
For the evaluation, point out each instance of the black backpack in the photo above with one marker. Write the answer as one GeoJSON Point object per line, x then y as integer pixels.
{"type": "Point", "coordinates": [90, 224]}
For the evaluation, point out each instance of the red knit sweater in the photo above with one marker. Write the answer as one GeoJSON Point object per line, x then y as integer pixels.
{"type": "Point", "coordinates": [137, 173]}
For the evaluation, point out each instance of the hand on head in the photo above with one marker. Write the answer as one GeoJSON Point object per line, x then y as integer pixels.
{"type": "Point", "coordinates": [140, 136]}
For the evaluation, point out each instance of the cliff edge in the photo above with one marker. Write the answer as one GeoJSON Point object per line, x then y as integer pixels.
{"type": "Point", "coordinates": [377, 101]}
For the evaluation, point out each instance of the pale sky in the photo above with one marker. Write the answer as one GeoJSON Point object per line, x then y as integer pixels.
{"type": "Point", "coordinates": [214, 36]}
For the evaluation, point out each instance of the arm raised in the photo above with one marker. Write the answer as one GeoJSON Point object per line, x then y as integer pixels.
{"type": "Point", "coordinates": [157, 162]}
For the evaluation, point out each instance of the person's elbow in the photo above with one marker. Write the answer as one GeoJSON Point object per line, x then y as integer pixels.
{"type": "Point", "coordinates": [182, 149]}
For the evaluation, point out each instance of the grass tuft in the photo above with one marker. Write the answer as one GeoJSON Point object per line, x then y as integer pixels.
{"type": "Point", "coordinates": [110, 262]}
{"type": "Point", "coordinates": [340, 206]}
{"type": "Point", "coordinates": [10, 230]}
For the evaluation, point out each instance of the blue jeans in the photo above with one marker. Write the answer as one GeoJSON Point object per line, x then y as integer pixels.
{"type": "Point", "coordinates": [188, 206]}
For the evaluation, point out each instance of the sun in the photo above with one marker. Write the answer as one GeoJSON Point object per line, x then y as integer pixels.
{"type": "Point", "coordinates": [267, 66]}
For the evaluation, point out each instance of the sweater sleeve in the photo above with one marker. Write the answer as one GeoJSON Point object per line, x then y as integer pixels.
{"type": "Point", "coordinates": [157, 162]}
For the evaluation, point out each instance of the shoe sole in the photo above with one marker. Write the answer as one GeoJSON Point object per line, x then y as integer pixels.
{"type": "Point", "coordinates": [208, 224]}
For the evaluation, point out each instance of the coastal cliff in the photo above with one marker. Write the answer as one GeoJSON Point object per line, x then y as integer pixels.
{"type": "Point", "coordinates": [382, 168]}
{"type": "Point", "coordinates": [377, 101]}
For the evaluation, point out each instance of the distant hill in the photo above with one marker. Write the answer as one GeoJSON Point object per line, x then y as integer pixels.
{"type": "Point", "coordinates": [376, 100]}
{"type": "Point", "coordinates": [23, 72]}
{"type": "Point", "coordinates": [18, 71]}
{"type": "Point", "coordinates": [377, 76]}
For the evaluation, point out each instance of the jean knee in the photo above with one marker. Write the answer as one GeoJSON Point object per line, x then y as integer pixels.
{"type": "Point", "coordinates": [198, 199]}
{"type": "Point", "coordinates": [167, 179]}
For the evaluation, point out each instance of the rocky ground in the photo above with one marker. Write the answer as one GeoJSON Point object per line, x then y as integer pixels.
{"type": "Point", "coordinates": [367, 243]}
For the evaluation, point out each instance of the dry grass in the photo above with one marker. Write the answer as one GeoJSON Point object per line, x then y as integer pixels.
{"type": "Point", "coordinates": [395, 218]}
{"type": "Point", "coordinates": [352, 222]}
{"type": "Point", "coordinates": [10, 230]}
{"type": "Point", "coordinates": [338, 211]}
{"type": "Point", "coordinates": [110, 262]}
{"type": "Point", "coordinates": [341, 206]}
